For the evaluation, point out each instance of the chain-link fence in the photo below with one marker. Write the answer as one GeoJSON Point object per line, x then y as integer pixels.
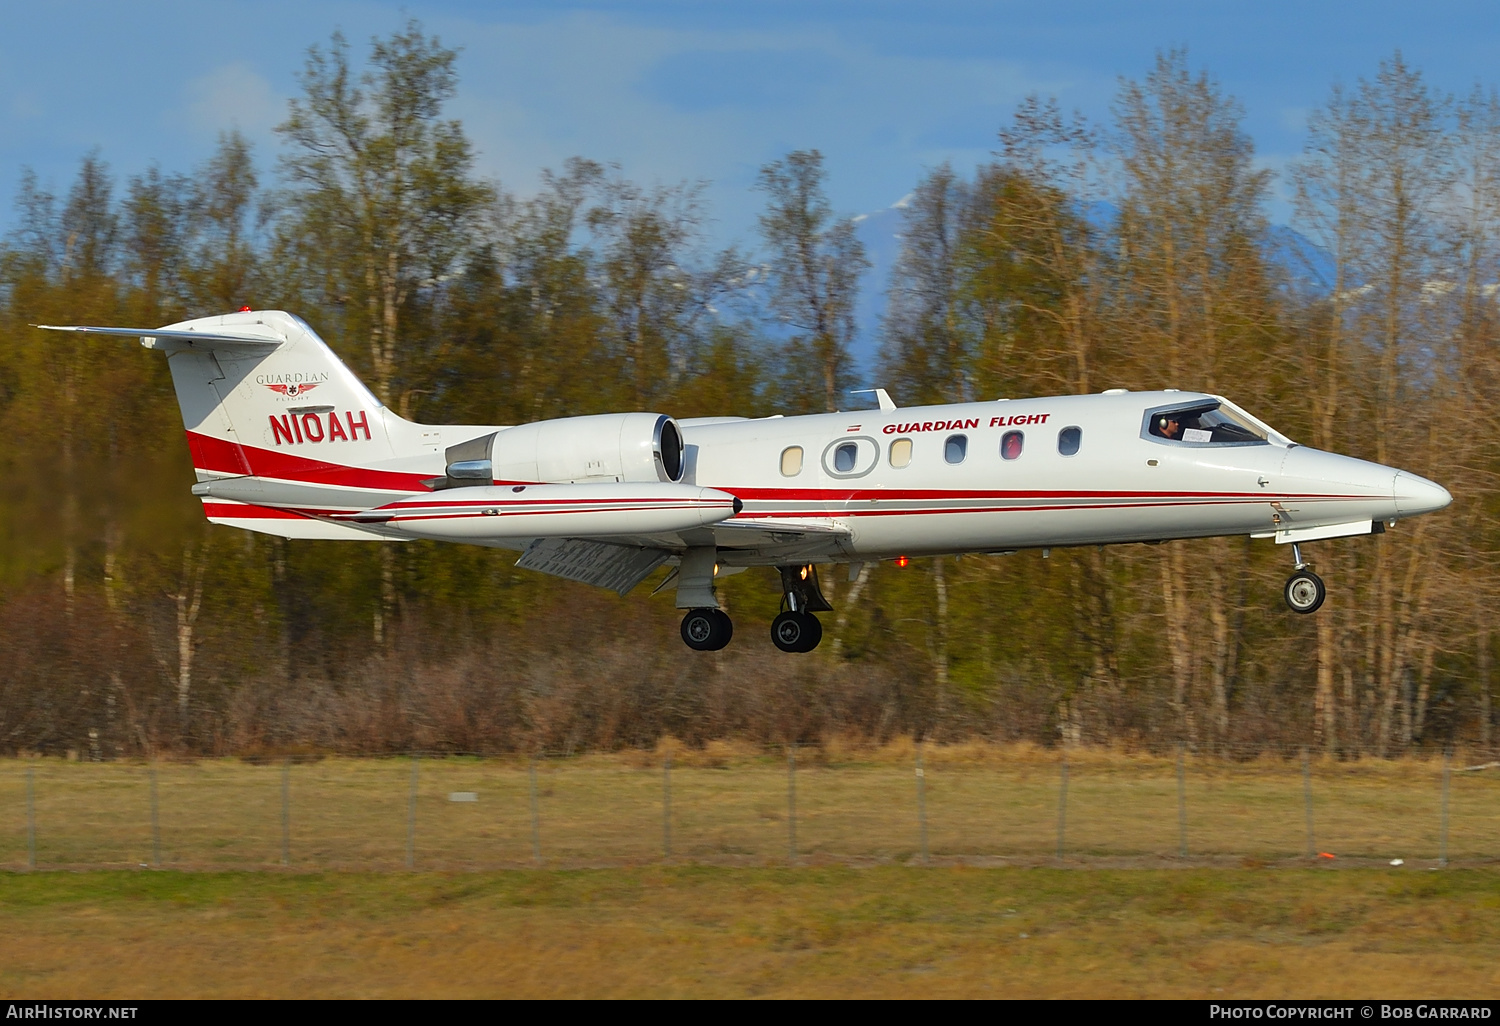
{"type": "Point", "coordinates": [969, 803]}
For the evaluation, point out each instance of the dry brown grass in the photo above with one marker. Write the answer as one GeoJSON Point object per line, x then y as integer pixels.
{"type": "Point", "coordinates": [729, 804]}
{"type": "Point", "coordinates": [722, 932]}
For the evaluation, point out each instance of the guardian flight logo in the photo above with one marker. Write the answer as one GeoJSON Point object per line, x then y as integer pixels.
{"type": "Point", "coordinates": [294, 389]}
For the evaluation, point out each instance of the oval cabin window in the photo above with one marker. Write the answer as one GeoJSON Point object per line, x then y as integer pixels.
{"type": "Point", "coordinates": [1011, 444]}
{"type": "Point", "coordinates": [844, 457]}
{"type": "Point", "coordinates": [1068, 440]}
{"type": "Point", "coordinates": [901, 453]}
{"type": "Point", "coordinates": [956, 448]}
{"type": "Point", "coordinates": [791, 461]}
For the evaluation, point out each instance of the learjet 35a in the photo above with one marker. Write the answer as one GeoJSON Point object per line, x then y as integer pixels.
{"type": "Point", "coordinates": [286, 440]}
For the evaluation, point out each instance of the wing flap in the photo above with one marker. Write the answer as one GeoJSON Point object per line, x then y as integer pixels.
{"type": "Point", "coordinates": [602, 564]}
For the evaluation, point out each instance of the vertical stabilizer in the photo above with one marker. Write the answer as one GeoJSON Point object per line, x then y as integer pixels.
{"type": "Point", "coordinates": [271, 412]}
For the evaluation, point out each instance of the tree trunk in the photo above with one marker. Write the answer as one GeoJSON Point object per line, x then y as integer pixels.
{"type": "Point", "coordinates": [845, 607]}
{"type": "Point", "coordinates": [1482, 667]}
{"type": "Point", "coordinates": [189, 601]}
{"type": "Point", "coordinates": [1179, 644]}
{"type": "Point", "coordinates": [940, 637]}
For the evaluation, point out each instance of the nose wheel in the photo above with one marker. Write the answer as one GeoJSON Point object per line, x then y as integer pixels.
{"type": "Point", "coordinates": [1304, 592]}
{"type": "Point", "coordinates": [707, 630]}
{"type": "Point", "coordinates": [792, 631]}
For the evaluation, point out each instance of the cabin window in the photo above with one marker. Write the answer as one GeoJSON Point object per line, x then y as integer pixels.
{"type": "Point", "coordinates": [844, 457]}
{"type": "Point", "coordinates": [1202, 423]}
{"type": "Point", "coordinates": [956, 448]}
{"type": "Point", "coordinates": [791, 461]}
{"type": "Point", "coordinates": [1011, 444]}
{"type": "Point", "coordinates": [1068, 440]}
{"type": "Point", "coordinates": [901, 453]}
{"type": "Point", "coordinates": [851, 456]}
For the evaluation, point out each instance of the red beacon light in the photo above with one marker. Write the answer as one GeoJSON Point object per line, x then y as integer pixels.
{"type": "Point", "coordinates": [901, 561]}
{"type": "Point", "coordinates": [244, 309]}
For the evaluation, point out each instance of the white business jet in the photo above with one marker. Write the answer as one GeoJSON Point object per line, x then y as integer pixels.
{"type": "Point", "coordinates": [286, 440]}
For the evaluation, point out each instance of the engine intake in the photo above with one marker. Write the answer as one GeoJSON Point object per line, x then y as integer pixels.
{"type": "Point", "coordinates": [627, 447]}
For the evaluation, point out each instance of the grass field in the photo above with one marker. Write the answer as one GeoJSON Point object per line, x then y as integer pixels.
{"type": "Point", "coordinates": [983, 804]}
{"type": "Point", "coordinates": [713, 931]}
{"type": "Point", "coordinates": [608, 913]}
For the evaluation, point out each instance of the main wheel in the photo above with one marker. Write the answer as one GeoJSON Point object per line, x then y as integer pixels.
{"type": "Point", "coordinates": [1304, 591]}
{"type": "Point", "coordinates": [814, 633]}
{"type": "Point", "coordinates": [726, 628]}
{"type": "Point", "coordinates": [796, 632]}
{"type": "Point", "coordinates": [707, 629]}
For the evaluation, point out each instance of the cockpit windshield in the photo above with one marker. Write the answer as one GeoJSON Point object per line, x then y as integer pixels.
{"type": "Point", "coordinates": [1202, 423]}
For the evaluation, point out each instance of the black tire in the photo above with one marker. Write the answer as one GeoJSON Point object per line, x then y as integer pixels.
{"type": "Point", "coordinates": [814, 633]}
{"type": "Point", "coordinates": [726, 628]}
{"type": "Point", "coordinates": [796, 632]}
{"type": "Point", "coordinates": [787, 631]}
{"type": "Point", "coordinates": [1304, 592]}
{"type": "Point", "coordinates": [706, 630]}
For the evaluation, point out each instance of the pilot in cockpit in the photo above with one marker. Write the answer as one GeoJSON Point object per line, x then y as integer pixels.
{"type": "Point", "coordinates": [1167, 427]}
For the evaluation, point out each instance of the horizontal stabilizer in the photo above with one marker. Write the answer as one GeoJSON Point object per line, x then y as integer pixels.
{"type": "Point", "coordinates": [618, 567]}
{"type": "Point", "coordinates": [161, 338]}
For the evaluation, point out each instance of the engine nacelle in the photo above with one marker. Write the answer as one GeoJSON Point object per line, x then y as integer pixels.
{"type": "Point", "coordinates": [624, 447]}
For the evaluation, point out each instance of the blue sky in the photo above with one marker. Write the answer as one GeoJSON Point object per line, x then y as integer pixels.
{"type": "Point", "coordinates": [677, 91]}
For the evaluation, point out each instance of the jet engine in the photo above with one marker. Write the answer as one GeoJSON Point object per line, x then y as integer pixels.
{"type": "Point", "coordinates": [623, 447]}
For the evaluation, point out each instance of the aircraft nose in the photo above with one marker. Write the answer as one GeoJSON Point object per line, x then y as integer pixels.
{"type": "Point", "coordinates": [1415, 495]}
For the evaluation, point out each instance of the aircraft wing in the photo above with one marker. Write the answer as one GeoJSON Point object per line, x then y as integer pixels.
{"type": "Point", "coordinates": [765, 533]}
{"type": "Point", "coordinates": [602, 564]}
{"type": "Point", "coordinates": [758, 542]}
{"type": "Point", "coordinates": [620, 563]}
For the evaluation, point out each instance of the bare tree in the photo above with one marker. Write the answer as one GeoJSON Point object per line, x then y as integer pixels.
{"type": "Point", "coordinates": [1190, 227]}
{"type": "Point", "coordinates": [816, 261]}
{"type": "Point", "coordinates": [926, 344]}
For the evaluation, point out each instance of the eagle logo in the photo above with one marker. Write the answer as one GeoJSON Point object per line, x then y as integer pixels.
{"type": "Point", "coordinates": [292, 391]}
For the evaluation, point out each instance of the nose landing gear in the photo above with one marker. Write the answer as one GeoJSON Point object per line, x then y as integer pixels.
{"type": "Point", "coordinates": [1304, 591]}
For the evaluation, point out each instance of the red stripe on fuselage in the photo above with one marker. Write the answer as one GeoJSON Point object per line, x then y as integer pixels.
{"type": "Point", "coordinates": [225, 457]}
{"type": "Point", "coordinates": [244, 511]}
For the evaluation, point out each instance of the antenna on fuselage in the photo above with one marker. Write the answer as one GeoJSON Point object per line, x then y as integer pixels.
{"type": "Point", "coordinates": [881, 396]}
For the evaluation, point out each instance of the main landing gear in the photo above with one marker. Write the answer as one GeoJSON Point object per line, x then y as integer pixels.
{"type": "Point", "coordinates": [707, 628]}
{"type": "Point", "coordinates": [795, 629]}
{"type": "Point", "coordinates": [1304, 591]}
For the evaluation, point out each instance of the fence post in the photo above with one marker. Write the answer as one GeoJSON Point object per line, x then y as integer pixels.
{"type": "Point", "coordinates": [30, 818]}
{"type": "Point", "coordinates": [1312, 848]}
{"type": "Point", "coordinates": [1181, 804]}
{"type": "Point", "coordinates": [536, 836]}
{"type": "Point", "coordinates": [791, 802]}
{"type": "Point", "coordinates": [666, 807]}
{"type": "Point", "coordinates": [922, 802]}
{"type": "Point", "coordinates": [286, 812]}
{"type": "Point", "coordinates": [411, 816]}
{"type": "Point", "coordinates": [1447, 775]}
{"type": "Point", "coordinates": [1062, 805]}
{"type": "Point", "coordinates": [155, 823]}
